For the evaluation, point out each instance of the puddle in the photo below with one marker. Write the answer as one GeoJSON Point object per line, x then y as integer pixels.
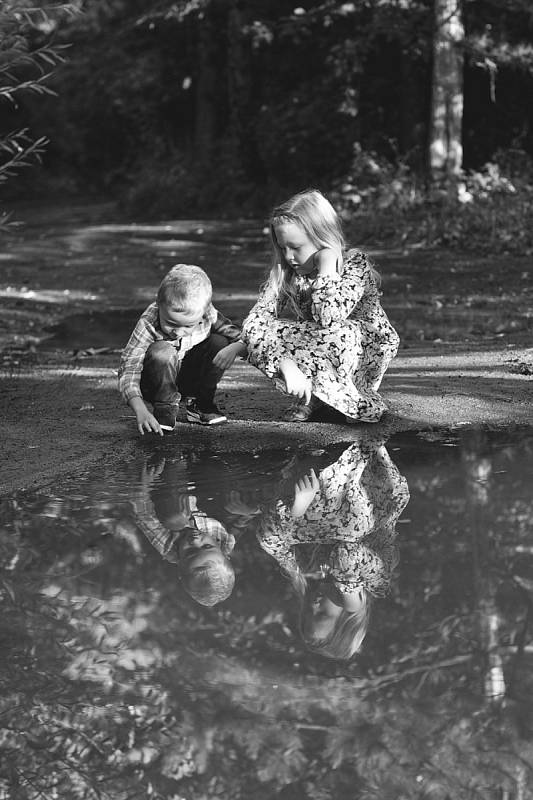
{"type": "Point", "coordinates": [117, 683]}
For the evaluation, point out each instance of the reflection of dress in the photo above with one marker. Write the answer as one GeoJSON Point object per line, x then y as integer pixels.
{"type": "Point", "coordinates": [349, 527]}
{"type": "Point", "coordinates": [342, 339]}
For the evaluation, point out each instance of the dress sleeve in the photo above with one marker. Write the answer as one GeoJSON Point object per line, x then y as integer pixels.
{"type": "Point", "coordinates": [334, 297]}
{"type": "Point", "coordinates": [275, 536]}
{"type": "Point", "coordinates": [353, 565]}
{"type": "Point", "coordinates": [265, 310]}
{"type": "Point", "coordinates": [262, 333]}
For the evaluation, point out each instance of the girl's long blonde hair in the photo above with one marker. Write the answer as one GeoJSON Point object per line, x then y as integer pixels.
{"type": "Point", "coordinates": [317, 217]}
{"type": "Point", "coordinates": [349, 631]}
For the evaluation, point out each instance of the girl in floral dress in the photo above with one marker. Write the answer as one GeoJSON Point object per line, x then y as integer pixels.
{"type": "Point", "coordinates": [318, 329]}
{"type": "Point", "coordinates": [336, 542]}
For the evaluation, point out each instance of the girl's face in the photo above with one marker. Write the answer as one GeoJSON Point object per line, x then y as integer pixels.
{"type": "Point", "coordinates": [323, 607]}
{"type": "Point", "coordinates": [296, 247]}
{"type": "Point", "coordinates": [321, 616]}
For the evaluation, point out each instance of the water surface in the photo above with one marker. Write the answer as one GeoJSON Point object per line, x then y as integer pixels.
{"type": "Point", "coordinates": [116, 683]}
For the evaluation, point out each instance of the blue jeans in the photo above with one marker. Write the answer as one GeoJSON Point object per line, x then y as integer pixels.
{"type": "Point", "coordinates": [165, 378]}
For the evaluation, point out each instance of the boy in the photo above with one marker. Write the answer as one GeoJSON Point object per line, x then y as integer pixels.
{"type": "Point", "coordinates": [182, 534]}
{"type": "Point", "coordinates": [180, 345]}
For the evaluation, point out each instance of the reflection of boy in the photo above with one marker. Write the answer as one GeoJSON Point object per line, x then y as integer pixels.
{"type": "Point", "coordinates": [199, 545]}
{"type": "Point", "coordinates": [180, 345]}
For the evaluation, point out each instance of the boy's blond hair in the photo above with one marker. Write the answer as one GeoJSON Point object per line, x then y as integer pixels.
{"type": "Point", "coordinates": [210, 585]}
{"type": "Point", "coordinates": [187, 287]}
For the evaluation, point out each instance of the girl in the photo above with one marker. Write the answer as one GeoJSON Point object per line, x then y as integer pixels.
{"type": "Point", "coordinates": [336, 542]}
{"type": "Point", "coordinates": [341, 342]}
{"type": "Point", "coordinates": [334, 536]}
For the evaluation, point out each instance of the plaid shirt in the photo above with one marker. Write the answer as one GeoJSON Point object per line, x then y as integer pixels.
{"type": "Point", "coordinates": [147, 331]}
{"type": "Point", "coordinates": [164, 540]}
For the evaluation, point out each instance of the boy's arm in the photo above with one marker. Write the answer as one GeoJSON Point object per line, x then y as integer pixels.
{"type": "Point", "coordinates": [145, 419]}
{"type": "Point", "coordinates": [130, 369]}
{"type": "Point", "coordinates": [225, 357]}
{"type": "Point", "coordinates": [225, 327]}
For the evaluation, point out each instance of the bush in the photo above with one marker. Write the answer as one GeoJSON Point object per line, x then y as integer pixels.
{"type": "Point", "coordinates": [385, 203]}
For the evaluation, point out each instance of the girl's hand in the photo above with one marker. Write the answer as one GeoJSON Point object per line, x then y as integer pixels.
{"type": "Point", "coordinates": [225, 357]}
{"type": "Point", "coordinates": [304, 493]}
{"type": "Point", "coordinates": [295, 381]}
{"type": "Point", "coordinates": [326, 262]}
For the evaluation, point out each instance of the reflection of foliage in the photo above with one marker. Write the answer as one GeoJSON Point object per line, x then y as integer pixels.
{"type": "Point", "coordinates": [116, 685]}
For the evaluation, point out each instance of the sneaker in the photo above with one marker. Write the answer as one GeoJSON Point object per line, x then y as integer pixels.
{"type": "Point", "coordinates": [209, 415]}
{"type": "Point", "coordinates": [165, 414]}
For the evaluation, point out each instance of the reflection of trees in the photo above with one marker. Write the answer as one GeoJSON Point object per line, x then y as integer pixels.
{"type": "Point", "coordinates": [115, 686]}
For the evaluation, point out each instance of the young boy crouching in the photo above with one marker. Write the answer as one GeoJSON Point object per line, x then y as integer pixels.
{"type": "Point", "coordinates": [181, 345]}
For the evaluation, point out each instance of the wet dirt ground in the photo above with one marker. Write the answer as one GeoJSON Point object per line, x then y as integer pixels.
{"type": "Point", "coordinates": [74, 279]}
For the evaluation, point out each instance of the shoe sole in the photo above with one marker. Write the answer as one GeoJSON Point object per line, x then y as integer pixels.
{"type": "Point", "coordinates": [199, 421]}
{"type": "Point", "coordinates": [167, 427]}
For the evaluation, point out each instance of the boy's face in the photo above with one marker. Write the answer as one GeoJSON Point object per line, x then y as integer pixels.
{"type": "Point", "coordinates": [198, 549]}
{"type": "Point", "coordinates": [175, 322]}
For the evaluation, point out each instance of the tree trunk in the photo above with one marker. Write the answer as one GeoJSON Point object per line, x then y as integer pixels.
{"type": "Point", "coordinates": [478, 472]}
{"type": "Point", "coordinates": [445, 145]}
{"type": "Point", "coordinates": [239, 86]}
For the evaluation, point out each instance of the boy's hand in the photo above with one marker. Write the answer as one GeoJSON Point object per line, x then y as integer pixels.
{"type": "Point", "coordinates": [147, 422]}
{"type": "Point", "coordinates": [295, 381]}
{"type": "Point", "coordinates": [236, 505]}
{"type": "Point", "coordinates": [225, 357]}
{"type": "Point", "coordinates": [151, 471]}
{"type": "Point", "coordinates": [304, 492]}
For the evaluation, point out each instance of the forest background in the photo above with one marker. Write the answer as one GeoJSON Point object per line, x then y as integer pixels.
{"type": "Point", "coordinates": [414, 116]}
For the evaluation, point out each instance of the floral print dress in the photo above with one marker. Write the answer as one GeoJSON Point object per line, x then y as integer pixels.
{"type": "Point", "coordinates": [349, 528]}
{"type": "Point", "coordinates": [341, 340]}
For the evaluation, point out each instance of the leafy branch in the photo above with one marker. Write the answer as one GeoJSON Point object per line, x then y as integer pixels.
{"type": "Point", "coordinates": [21, 152]}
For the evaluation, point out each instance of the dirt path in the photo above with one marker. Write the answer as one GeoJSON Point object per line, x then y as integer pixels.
{"type": "Point", "coordinates": [59, 406]}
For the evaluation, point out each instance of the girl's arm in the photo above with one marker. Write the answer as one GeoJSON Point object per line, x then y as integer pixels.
{"type": "Point", "coordinates": [335, 296]}
{"type": "Point", "coordinates": [261, 333]}
{"type": "Point", "coordinates": [264, 310]}
{"type": "Point", "coordinates": [273, 541]}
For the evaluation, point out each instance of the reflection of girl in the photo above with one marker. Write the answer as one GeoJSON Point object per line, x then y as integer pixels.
{"type": "Point", "coordinates": [336, 543]}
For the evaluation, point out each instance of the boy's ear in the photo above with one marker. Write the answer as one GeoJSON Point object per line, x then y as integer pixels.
{"type": "Point", "coordinates": [228, 545]}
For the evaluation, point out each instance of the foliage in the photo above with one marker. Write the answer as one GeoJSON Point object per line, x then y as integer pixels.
{"type": "Point", "coordinates": [28, 58]}
{"type": "Point", "coordinates": [382, 202]}
{"type": "Point", "coordinates": [222, 108]}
